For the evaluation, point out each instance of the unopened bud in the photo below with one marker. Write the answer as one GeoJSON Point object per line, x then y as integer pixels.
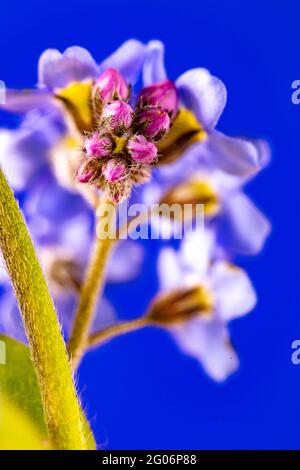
{"type": "Point", "coordinates": [97, 147]}
{"type": "Point", "coordinates": [88, 171]}
{"type": "Point", "coordinates": [114, 170]}
{"type": "Point", "coordinates": [154, 122]}
{"type": "Point", "coordinates": [163, 95]}
{"type": "Point", "coordinates": [118, 113]}
{"type": "Point", "coordinates": [141, 150]}
{"type": "Point", "coordinates": [110, 86]}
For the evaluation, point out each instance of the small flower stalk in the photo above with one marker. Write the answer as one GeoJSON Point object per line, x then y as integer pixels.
{"type": "Point", "coordinates": [121, 150]}
{"type": "Point", "coordinates": [181, 304]}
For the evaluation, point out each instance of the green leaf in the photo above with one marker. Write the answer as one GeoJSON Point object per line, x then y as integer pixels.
{"type": "Point", "coordinates": [18, 382]}
{"type": "Point", "coordinates": [17, 431]}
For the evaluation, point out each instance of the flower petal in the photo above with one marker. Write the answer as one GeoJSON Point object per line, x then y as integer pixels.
{"type": "Point", "coordinates": [70, 227]}
{"type": "Point", "coordinates": [105, 316]}
{"type": "Point", "coordinates": [209, 343]}
{"type": "Point", "coordinates": [196, 251]}
{"type": "Point", "coordinates": [236, 155]}
{"type": "Point", "coordinates": [204, 94]}
{"type": "Point", "coordinates": [4, 276]}
{"type": "Point", "coordinates": [244, 228]}
{"type": "Point", "coordinates": [22, 101]}
{"type": "Point", "coordinates": [56, 70]}
{"type": "Point", "coordinates": [24, 152]}
{"type": "Point", "coordinates": [184, 133]}
{"type": "Point", "coordinates": [17, 169]}
{"type": "Point", "coordinates": [17, 150]}
{"type": "Point", "coordinates": [264, 152]}
{"type": "Point", "coordinates": [126, 261]}
{"type": "Point", "coordinates": [127, 59]}
{"type": "Point", "coordinates": [154, 68]}
{"type": "Point", "coordinates": [168, 268]}
{"type": "Point", "coordinates": [233, 291]}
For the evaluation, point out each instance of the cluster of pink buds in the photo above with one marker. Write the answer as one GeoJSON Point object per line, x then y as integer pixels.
{"type": "Point", "coordinates": [123, 146]}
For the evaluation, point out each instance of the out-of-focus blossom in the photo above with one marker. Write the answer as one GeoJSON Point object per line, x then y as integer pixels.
{"type": "Point", "coordinates": [35, 158]}
{"type": "Point", "coordinates": [199, 165]}
{"type": "Point", "coordinates": [11, 320]}
{"type": "Point", "coordinates": [204, 96]}
{"type": "Point", "coordinates": [81, 91]}
{"type": "Point", "coordinates": [65, 89]}
{"type": "Point", "coordinates": [62, 226]}
{"type": "Point", "coordinates": [240, 227]}
{"type": "Point", "coordinates": [24, 153]}
{"type": "Point", "coordinates": [88, 120]}
{"type": "Point", "coordinates": [198, 299]}
{"type": "Point", "coordinates": [64, 264]}
{"type": "Point", "coordinates": [99, 121]}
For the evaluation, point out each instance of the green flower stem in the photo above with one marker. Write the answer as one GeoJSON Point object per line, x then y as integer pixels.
{"type": "Point", "coordinates": [97, 339]}
{"type": "Point", "coordinates": [61, 406]}
{"type": "Point", "coordinates": [91, 290]}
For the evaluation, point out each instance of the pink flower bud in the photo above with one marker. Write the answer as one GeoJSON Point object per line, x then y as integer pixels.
{"type": "Point", "coordinates": [163, 95]}
{"type": "Point", "coordinates": [111, 85]}
{"type": "Point", "coordinates": [114, 170]}
{"type": "Point", "coordinates": [154, 122]}
{"type": "Point", "coordinates": [119, 114]}
{"type": "Point", "coordinates": [88, 171]}
{"type": "Point", "coordinates": [141, 150]}
{"type": "Point", "coordinates": [85, 176]}
{"type": "Point", "coordinates": [97, 147]}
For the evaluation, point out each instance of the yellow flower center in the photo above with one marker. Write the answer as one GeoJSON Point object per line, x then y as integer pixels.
{"type": "Point", "coordinates": [119, 144]}
{"type": "Point", "coordinates": [194, 192]}
{"type": "Point", "coordinates": [77, 100]}
{"type": "Point", "coordinates": [185, 131]}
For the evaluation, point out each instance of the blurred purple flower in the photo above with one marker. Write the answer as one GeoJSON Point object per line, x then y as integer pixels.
{"type": "Point", "coordinates": [222, 291]}
{"type": "Point", "coordinates": [60, 220]}
{"type": "Point", "coordinates": [206, 96]}
{"type": "Point", "coordinates": [44, 155]}
{"type": "Point", "coordinates": [240, 227]}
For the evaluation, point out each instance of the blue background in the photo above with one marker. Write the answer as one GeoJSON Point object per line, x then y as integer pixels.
{"type": "Point", "coordinates": [140, 392]}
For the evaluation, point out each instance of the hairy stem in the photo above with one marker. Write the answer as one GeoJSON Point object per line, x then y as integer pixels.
{"type": "Point", "coordinates": [61, 406]}
{"type": "Point", "coordinates": [92, 288]}
{"type": "Point", "coordinates": [113, 331]}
